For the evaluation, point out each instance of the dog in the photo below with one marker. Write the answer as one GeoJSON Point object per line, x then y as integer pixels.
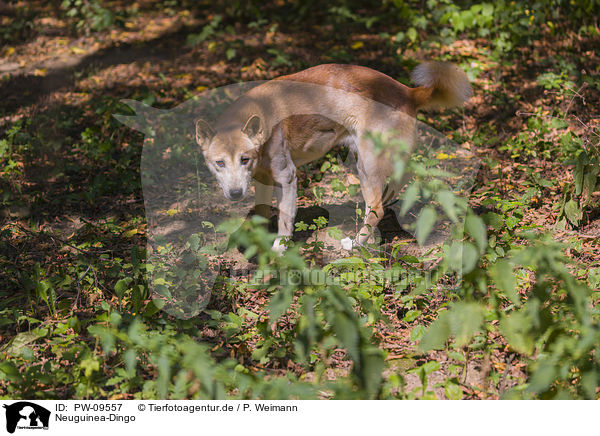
{"type": "Point", "coordinates": [295, 119]}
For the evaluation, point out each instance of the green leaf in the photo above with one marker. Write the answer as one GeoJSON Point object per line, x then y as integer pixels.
{"type": "Point", "coordinates": [589, 383]}
{"type": "Point", "coordinates": [462, 320]}
{"type": "Point", "coordinates": [425, 223]}
{"type": "Point", "coordinates": [337, 185]}
{"type": "Point", "coordinates": [347, 333]}
{"type": "Point", "coordinates": [465, 320]}
{"type": "Point", "coordinates": [279, 303]}
{"type": "Point", "coordinates": [153, 307]}
{"type": "Point", "coordinates": [90, 365]}
{"type": "Point", "coordinates": [447, 201]}
{"type": "Point", "coordinates": [370, 372]}
{"type": "Point", "coordinates": [543, 377]}
{"type": "Point", "coordinates": [409, 258]}
{"type": "Point", "coordinates": [352, 262]}
{"type": "Point", "coordinates": [335, 233]}
{"type": "Point", "coordinates": [453, 391]}
{"type": "Point", "coordinates": [594, 278]}
{"type": "Point", "coordinates": [121, 286]}
{"type": "Point", "coordinates": [409, 198]}
{"type": "Point", "coordinates": [470, 256]}
{"type": "Point", "coordinates": [437, 334]}
{"type": "Point", "coordinates": [494, 220]}
{"type": "Point", "coordinates": [487, 9]}
{"type": "Point", "coordinates": [512, 221]}
{"type": "Point", "coordinates": [589, 185]}
{"type": "Point", "coordinates": [476, 228]}
{"type": "Point", "coordinates": [411, 315]}
{"type": "Point", "coordinates": [431, 366]}
{"type": "Point", "coordinates": [516, 328]}
{"type": "Point", "coordinates": [557, 123]}
{"type": "Point", "coordinates": [24, 338]}
{"type": "Point", "coordinates": [573, 212]}
{"type": "Point", "coordinates": [416, 334]}
{"type": "Point", "coordinates": [130, 359]}
{"type": "Point", "coordinates": [10, 371]}
{"type": "Point", "coordinates": [457, 356]}
{"type": "Point", "coordinates": [453, 255]}
{"type": "Point", "coordinates": [164, 375]}
{"type": "Point", "coordinates": [262, 351]}
{"type": "Point", "coordinates": [502, 273]}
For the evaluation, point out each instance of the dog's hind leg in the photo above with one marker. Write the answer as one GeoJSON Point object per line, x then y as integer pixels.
{"type": "Point", "coordinates": [372, 186]}
{"type": "Point", "coordinates": [374, 170]}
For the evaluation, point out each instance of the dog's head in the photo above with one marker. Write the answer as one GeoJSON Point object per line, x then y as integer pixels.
{"type": "Point", "coordinates": [231, 154]}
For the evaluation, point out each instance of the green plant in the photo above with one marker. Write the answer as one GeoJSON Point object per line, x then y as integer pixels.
{"type": "Point", "coordinates": [19, 27]}
{"type": "Point", "coordinates": [578, 196]}
{"type": "Point", "coordinates": [324, 314]}
{"type": "Point", "coordinates": [88, 15]}
{"type": "Point", "coordinates": [208, 31]}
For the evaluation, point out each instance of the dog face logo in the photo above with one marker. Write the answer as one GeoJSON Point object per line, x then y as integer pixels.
{"type": "Point", "coordinates": [26, 415]}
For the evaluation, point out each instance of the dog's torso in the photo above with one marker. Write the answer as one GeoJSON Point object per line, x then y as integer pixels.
{"type": "Point", "coordinates": [321, 107]}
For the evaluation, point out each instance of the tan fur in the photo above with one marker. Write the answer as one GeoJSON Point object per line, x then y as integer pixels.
{"type": "Point", "coordinates": [441, 85]}
{"type": "Point", "coordinates": [295, 119]}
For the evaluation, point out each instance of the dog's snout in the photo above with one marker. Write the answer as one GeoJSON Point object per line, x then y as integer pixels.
{"type": "Point", "coordinates": [236, 194]}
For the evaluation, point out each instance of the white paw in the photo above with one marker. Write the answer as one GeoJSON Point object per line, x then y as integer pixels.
{"type": "Point", "coordinates": [279, 245]}
{"type": "Point", "coordinates": [347, 243]}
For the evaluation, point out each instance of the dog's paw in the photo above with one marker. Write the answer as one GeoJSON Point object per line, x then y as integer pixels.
{"type": "Point", "coordinates": [347, 243]}
{"type": "Point", "coordinates": [279, 246]}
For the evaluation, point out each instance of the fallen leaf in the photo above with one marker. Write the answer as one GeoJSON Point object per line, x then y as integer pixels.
{"type": "Point", "coordinates": [130, 233]}
{"type": "Point", "coordinates": [353, 180]}
{"type": "Point", "coordinates": [78, 50]}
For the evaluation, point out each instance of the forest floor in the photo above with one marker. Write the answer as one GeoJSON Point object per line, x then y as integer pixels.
{"type": "Point", "coordinates": [75, 191]}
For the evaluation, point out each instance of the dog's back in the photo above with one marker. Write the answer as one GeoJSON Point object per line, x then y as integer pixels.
{"type": "Point", "coordinates": [441, 84]}
{"type": "Point", "coordinates": [362, 81]}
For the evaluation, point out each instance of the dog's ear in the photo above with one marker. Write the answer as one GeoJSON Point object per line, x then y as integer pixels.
{"type": "Point", "coordinates": [204, 133]}
{"type": "Point", "coordinates": [254, 128]}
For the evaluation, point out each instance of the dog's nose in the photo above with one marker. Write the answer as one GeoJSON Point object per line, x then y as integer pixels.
{"type": "Point", "coordinates": [236, 194]}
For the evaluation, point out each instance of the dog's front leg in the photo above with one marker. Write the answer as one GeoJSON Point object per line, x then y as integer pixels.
{"type": "Point", "coordinates": [286, 197]}
{"type": "Point", "coordinates": [264, 196]}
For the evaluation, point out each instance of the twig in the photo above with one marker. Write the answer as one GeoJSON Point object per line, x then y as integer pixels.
{"type": "Point", "coordinates": [61, 241]}
{"type": "Point", "coordinates": [79, 282]}
{"type": "Point", "coordinates": [502, 385]}
{"type": "Point", "coordinates": [575, 94]}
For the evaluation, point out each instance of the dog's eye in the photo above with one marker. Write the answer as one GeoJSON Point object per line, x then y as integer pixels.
{"type": "Point", "coordinates": [245, 160]}
{"type": "Point", "coordinates": [220, 163]}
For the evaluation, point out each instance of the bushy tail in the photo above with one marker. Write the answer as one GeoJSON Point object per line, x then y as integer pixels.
{"type": "Point", "coordinates": [441, 85]}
